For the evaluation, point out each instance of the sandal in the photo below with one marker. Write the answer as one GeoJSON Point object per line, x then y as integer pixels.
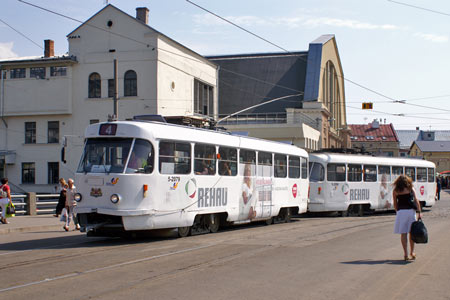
{"type": "Point", "coordinates": [413, 256]}
{"type": "Point", "coordinates": [405, 258]}
{"type": "Point", "coordinates": [66, 228]}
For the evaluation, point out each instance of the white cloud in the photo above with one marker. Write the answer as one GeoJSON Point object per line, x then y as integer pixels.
{"type": "Point", "coordinates": [432, 37]}
{"type": "Point", "coordinates": [354, 24]}
{"type": "Point", "coordinates": [6, 50]}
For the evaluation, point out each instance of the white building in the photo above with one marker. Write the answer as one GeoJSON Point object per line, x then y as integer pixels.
{"type": "Point", "coordinates": [44, 99]}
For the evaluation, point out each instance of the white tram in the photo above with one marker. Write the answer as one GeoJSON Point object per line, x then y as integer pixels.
{"type": "Point", "coordinates": [136, 175]}
{"type": "Point", "coordinates": [352, 184]}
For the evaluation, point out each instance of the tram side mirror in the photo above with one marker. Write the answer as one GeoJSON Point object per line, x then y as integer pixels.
{"type": "Point", "coordinates": [63, 155]}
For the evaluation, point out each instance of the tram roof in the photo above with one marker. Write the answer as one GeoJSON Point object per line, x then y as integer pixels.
{"type": "Point", "coordinates": [375, 160]}
{"type": "Point", "coordinates": [156, 130]}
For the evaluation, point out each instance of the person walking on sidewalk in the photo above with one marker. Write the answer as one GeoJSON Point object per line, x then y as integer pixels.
{"type": "Point", "coordinates": [62, 197]}
{"type": "Point", "coordinates": [5, 199]}
{"type": "Point", "coordinates": [70, 205]}
{"type": "Point", "coordinates": [405, 212]}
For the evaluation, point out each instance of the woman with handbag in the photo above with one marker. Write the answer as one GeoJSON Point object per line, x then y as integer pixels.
{"type": "Point", "coordinates": [62, 197]}
{"type": "Point", "coordinates": [70, 205]}
{"type": "Point", "coordinates": [5, 199]}
{"type": "Point", "coordinates": [406, 205]}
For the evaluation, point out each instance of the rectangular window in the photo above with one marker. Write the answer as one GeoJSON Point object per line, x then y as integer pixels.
{"type": "Point", "coordinates": [411, 173]}
{"type": "Point", "coordinates": [370, 173]}
{"type": "Point", "coordinates": [28, 173]}
{"type": "Point", "coordinates": [203, 98]}
{"type": "Point", "coordinates": [354, 172]}
{"type": "Point", "coordinates": [280, 165]}
{"type": "Point", "coordinates": [336, 172]}
{"type": "Point", "coordinates": [430, 175]}
{"type": "Point", "coordinates": [385, 173]}
{"type": "Point", "coordinates": [227, 161]}
{"type": "Point", "coordinates": [110, 88]}
{"type": "Point", "coordinates": [17, 73]}
{"type": "Point", "coordinates": [422, 174]}
{"type": "Point", "coordinates": [53, 132]}
{"type": "Point", "coordinates": [58, 71]}
{"type": "Point", "coordinates": [204, 159]}
{"type": "Point", "coordinates": [317, 172]}
{"type": "Point", "coordinates": [53, 172]}
{"type": "Point", "coordinates": [294, 167]}
{"type": "Point", "coordinates": [247, 161]}
{"type": "Point", "coordinates": [30, 132]}
{"type": "Point", "coordinates": [265, 164]}
{"type": "Point", "coordinates": [174, 158]}
{"type": "Point", "coordinates": [38, 72]}
{"type": "Point", "coordinates": [304, 168]}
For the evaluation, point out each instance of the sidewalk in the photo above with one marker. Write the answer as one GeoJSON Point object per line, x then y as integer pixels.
{"type": "Point", "coordinates": [31, 223]}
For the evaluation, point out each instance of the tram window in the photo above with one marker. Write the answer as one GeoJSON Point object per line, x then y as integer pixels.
{"type": "Point", "coordinates": [336, 172]}
{"type": "Point", "coordinates": [265, 164]}
{"type": "Point", "coordinates": [294, 167]}
{"type": "Point", "coordinates": [317, 172]}
{"type": "Point", "coordinates": [422, 174]}
{"type": "Point", "coordinates": [247, 162]}
{"type": "Point", "coordinates": [280, 165]}
{"type": "Point", "coordinates": [354, 172]}
{"type": "Point", "coordinates": [411, 173]}
{"type": "Point", "coordinates": [430, 175]}
{"type": "Point", "coordinates": [370, 173]}
{"type": "Point", "coordinates": [304, 168]}
{"type": "Point", "coordinates": [141, 158]}
{"type": "Point", "coordinates": [227, 161]}
{"type": "Point", "coordinates": [174, 158]}
{"type": "Point", "coordinates": [105, 155]}
{"type": "Point", "coordinates": [385, 173]}
{"type": "Point", "coordinates": [396, 171]}
{"type": "Point", "coordinates": [204, 159]}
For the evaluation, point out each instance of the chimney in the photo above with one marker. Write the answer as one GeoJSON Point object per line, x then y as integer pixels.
{"type": "Point", "coordinates": [142, 14]}
{"type": "Point", "coordinates": [49, 48]}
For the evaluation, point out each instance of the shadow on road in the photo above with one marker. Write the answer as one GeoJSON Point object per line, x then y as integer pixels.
{"type": "Point", "coordinates": [377, 262]}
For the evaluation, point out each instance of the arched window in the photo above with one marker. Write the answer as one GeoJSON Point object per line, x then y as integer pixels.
{"type": "Point", "coordinates": [130, 83]}
{"type": "Point", "coordinates": [331, 94]}
{"type": "Point", "coordinates": [95, 86]}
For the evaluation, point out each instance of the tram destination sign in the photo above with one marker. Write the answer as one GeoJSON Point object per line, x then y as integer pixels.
{"type": "Point", "coordinates": [107, 129]}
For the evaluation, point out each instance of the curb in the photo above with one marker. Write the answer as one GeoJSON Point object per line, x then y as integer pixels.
{"type": "Point", "coordinates": [4, 231]}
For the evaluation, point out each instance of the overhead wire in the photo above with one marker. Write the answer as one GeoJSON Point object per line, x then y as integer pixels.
{"type": "Point", "coordinates": [421, 8]}
{"type": "Point", "coordinates": [22, 34]}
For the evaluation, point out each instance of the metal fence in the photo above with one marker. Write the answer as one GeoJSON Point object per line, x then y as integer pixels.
{"type": "Point", "coordinates": [32, 203]}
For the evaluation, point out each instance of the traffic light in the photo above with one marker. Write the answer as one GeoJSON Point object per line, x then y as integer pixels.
{"type": "Point", "coordinates": [367, 105]}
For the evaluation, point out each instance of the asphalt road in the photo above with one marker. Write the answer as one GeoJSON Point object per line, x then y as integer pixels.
{"type": "Point", "coordinates": [323, 257]}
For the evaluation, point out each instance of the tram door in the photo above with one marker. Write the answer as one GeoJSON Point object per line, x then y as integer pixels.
{"type": "Point", "coordinates": [264, 185]}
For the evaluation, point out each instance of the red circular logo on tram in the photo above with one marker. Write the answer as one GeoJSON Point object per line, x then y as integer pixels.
{"type": "Point", "coordinates": [422, 190]}
{"type": "Point", "coordinates": [294, 190]}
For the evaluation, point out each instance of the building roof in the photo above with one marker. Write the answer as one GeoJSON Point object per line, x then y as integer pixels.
{"type": "Point", "coordinates": [433, 146]}
{"type": "Point", "coordinates": [370, 133]}
{"type": "Point", "coordinates": [407, 137]}
{"type": "Point", "coordinates": [36, 59]}
{"type": "Point", "coordinates": [250, 79]}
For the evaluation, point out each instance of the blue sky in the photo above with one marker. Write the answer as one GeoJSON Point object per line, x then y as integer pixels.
{"type": "Point", "coordinates": [394, 50]}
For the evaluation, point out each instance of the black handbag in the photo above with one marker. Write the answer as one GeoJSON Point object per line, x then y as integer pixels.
{"type": "Point", "coordinates": [419, 233]}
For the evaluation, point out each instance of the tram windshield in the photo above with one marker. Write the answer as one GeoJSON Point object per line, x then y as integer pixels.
{"type": "Point", "coordinates": [105, 155]}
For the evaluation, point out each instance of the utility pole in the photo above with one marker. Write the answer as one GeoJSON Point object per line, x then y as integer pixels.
{"type": "Point", "coordinates": [116, 93]}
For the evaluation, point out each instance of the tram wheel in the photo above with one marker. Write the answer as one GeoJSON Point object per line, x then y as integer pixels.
{"type": "Point", "coordinates": [214, 223]}
{"type": "Point", "coordinates": [269, 221]}
{"type": "Point", "coordinates": [344, 213]}
{"type": "Point", "coordinates": [184, 231]}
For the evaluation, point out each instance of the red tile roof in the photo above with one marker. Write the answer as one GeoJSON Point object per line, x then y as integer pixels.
{"type": "Point", "coordinates": [366, 133]}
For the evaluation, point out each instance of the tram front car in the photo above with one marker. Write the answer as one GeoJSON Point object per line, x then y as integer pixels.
{"type": "Point", "coordinates": [116, 156]}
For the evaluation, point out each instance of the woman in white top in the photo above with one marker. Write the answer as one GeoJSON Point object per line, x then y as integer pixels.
{"type": "Point", "coordinates": [5, 198]}
{"type": "Point", "coordinates": [70, 205]}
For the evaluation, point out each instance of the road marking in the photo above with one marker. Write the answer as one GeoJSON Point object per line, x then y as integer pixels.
{"type": "Point", "coordinates": [104, 268]}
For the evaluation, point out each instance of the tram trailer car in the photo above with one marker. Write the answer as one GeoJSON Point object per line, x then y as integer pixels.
{"type": "Point", "coordinates": [138, 176]}
{"type": "Point", "coordinates": [353, 184]}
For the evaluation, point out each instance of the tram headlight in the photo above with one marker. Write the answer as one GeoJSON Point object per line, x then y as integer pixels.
{"type": "Point", "coordinates": [115, 198]}
{"type": "Point", "coordinates": [77, 197]}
